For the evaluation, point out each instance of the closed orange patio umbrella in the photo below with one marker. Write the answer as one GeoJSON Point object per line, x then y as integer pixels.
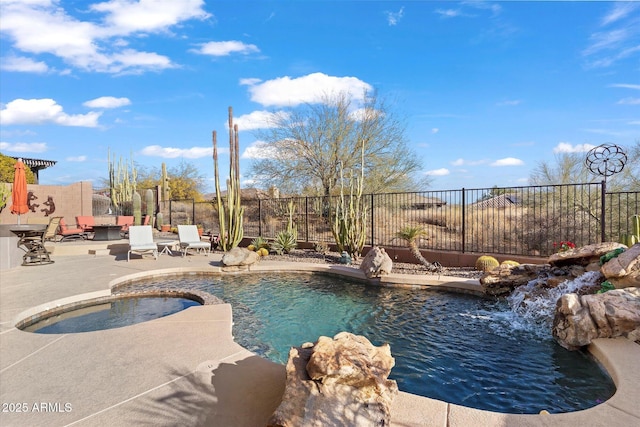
{"type": "Point", "coordinates": [19, 193]}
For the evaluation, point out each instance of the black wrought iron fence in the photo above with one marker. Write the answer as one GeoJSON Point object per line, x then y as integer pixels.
{"type": "Point", "coordinates": [524, 220]}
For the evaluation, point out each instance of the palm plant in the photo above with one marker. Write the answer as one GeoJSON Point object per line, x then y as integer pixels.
{"type": "Point", "coordinates": [411, 235]}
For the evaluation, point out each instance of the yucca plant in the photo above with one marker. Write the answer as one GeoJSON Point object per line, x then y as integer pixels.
{"type": "Point", "coordinates": [284, 242]}
{"type": "Point", "coordinates": [411, 235]}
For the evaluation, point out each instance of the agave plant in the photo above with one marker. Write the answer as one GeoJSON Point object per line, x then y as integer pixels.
{"type": "Point", "coordinates": [411, 235]}
{"type": "Point", "coordinates": [284, 242]}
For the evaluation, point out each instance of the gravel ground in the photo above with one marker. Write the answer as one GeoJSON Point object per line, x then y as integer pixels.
{"type": "Point", "coordinates": [309, 255]}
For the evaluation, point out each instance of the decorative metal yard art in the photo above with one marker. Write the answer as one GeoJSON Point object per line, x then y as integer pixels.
{"type": "Point", "coordinates": [606, 160]}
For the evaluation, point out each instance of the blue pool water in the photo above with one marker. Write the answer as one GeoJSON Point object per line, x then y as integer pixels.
{"type": "Point", "coordinates": [114, 314]}
{"type": "Point", "coordinates": [453, 347]}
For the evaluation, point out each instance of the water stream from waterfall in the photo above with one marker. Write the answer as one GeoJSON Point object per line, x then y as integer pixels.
{"type": "Point", "coordinates": [533, 305]}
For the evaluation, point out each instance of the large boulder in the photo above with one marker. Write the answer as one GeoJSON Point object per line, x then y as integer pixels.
{"type": "Point", "coordinates": [376, 263]}
{"type": "Point", "coordinates": [238, 257]}
{"type": "Point", "coordinates": [624, 270]}
{"type": "Point", "coordinates": [586, 256]}
{"type": "Point", "coordinates": [337, 382]}
{"type": "Point", "coordinates": [580, 319]}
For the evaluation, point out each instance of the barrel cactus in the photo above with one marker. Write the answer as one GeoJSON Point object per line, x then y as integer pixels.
{"type": "Point", "coordinates": [510, 263]}
{"type": "Point", "coordinates": [486, 263]}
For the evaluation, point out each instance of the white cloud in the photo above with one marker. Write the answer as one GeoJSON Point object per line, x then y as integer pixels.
{"type": "Point", "coordinates": [461, 162]}
{"type": "Point", "coordinates": [565, 147]}
{"type": "Point", "coordinates": [126, 17]}
{"type": "Point", "coordinates": [107, 102]}
{"type": "Point", "coordinates": [225, 48]}
{"type": "Point", "coordinates": [259, 150]}
{"type": "Point", "coordinates": [626, 86]}
{"type": "Point", "coordinates": [507, 161]}
{"type": "Point", "coordinates": [449, 13]}
{"type": "Point", "coordinates": [172, 153]}
{"type": "Point", "coordinates": [99, 45]}
{"type": "Point", "coordinates": [615, 42]}
{"type": "Point", "coordinates": [285, 91]}
{"type": "Point", "coordinates": [23, 64]}
{"type": "Point", "coordinates": [77, 159]}
{"type": "Point", "coordinates": [435, 130]}
{"type": "Point", "coordinates": [42, 111]}
{"type": "Point", "coordinates": [629, 101]}
{"type": "Point", "coordinates": [258, 120]}
{"type": "Point", "coordinates": [438, 172]}
{"type": "Point", "coordinates": [394, 17]}
{"type": "Point", "coordinates": [620, 11]}
{"type": "Point", "coordinates": [24, 147]}
{"type": "Point", "coordinates": [249, 81]}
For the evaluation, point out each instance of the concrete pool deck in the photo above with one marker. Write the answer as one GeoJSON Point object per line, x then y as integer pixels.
{"type": "Point", "coordinates": [186, 370]}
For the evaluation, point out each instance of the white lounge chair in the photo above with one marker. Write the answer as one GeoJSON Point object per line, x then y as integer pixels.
{"type": "Point", "coordinates": [141, 241]}
{"type": "Point", "coordinates": [190, 239]}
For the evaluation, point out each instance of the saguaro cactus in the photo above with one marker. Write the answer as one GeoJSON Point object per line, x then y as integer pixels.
{"type": "Point", "coordinates": [164, 183]}
{"type": "Point", "coordinates": [148, 199]}
{"type": "Point", "coordinates": [137, 208]}
{"type": "Point", "coordinates": [230, 216]}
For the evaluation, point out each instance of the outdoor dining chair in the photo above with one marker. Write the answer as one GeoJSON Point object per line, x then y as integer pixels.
{"type": "Point", "coordinates": [190, 239]}
{"type": "Point", "coordinates": [141, 241]}
{"type": "Point", "coordinates": [70, 233]}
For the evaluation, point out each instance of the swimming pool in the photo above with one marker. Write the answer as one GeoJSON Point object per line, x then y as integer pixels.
{"type": "Point", "coordinates": [453, 347]}
{"type": "Point", "coordinates": [114, 313]}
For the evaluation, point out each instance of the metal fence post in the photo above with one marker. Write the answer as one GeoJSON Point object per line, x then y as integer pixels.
{"type": "Point", "coordinates": [603, 194]}
{"type": "Point", "coordinates": [306, 218]}
{"type": "Point", "coordinates": [372, 221]}
{"type": "Point", "coordinates": [259, 217]}
{"type": "Point", "coordinates": [464, 222]}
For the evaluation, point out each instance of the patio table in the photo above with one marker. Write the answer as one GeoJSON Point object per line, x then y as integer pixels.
{"type": "Point", "coordinates": [32, 238]}
{"type": "Point", "coordinates": [107, 232]}
{"type": "Point", "coordinates": [167, 245]}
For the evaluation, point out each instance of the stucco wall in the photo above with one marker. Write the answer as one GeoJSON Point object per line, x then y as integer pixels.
{"type": "Point", "coordinates": [69, 200]}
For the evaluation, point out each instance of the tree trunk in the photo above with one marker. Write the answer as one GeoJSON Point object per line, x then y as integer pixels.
{"type": "Point", "coordinates": [413, 247]}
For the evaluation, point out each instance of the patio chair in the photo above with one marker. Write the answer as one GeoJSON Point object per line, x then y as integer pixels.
{"type": "Point", "coordinates": [86, 223]}
{"type": "Point", "coordinates": [70, 233]}
{"type": "Point", "coordinates": [190, 239]}
{"type": "Point", "coordinates": [125, 221]}
{"type": "Point", "coordinates": [141, 241]}
{"type": "Point", "coordinates": [52, 229]}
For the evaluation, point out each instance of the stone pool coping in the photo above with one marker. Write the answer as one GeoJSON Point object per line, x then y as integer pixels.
{"type": "Point", "coordinates": [232, 371]}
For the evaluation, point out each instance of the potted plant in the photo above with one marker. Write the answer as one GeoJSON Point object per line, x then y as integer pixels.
{"type": "Point", "coordinates": [165, 228]}
{"type": "Point", "coordinates": [200, 229]}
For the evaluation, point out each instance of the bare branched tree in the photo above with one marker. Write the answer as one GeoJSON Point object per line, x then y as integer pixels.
{"type": "Point", "coordinates": [570, 168]}
{"type": "Point", "coordinates": [307, 145]}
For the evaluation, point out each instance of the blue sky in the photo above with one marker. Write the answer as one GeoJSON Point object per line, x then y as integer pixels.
{"type": "Point", "coordinates": [488, 89]}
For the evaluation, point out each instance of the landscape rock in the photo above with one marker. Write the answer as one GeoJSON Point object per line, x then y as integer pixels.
{"type": "Point", "coordinates": [376, 263]}
{"type": "Point", "coordinates": [503, 279]}
{"type": "Point", "coordinates": [580, 319]}
{"type": "Point", "coordinates": [624, 270]}
{"type": "Point", "coordinates": [239, 257]}
{"type": "Point", "coordinates": [587, 256]}
{"type": "Point", "coordinates": [337, 382]}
